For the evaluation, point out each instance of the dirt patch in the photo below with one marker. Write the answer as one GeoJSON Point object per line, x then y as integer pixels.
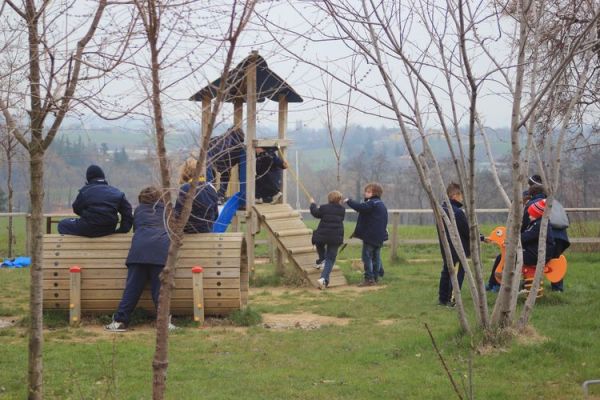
{"type": "Point", "coordinates": [7, 322]}
{"type": "Point", "coordinates": [386, 322]}
{"type": "Point", "coordinates": [300, 321]}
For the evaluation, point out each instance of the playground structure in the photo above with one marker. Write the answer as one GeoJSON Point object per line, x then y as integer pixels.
{"type": "Point", "coordinates": [554, 270]}
{"type": "Point", "coordinates": [252, 81]}
{"type": "Point", "coordinates": [87, 275]}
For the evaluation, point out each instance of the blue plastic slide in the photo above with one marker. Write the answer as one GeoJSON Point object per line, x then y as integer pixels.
{"type": "Point", "coordinates": [227, 213]}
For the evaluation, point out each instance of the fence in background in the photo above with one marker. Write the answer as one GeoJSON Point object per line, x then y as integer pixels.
{"type": "Point", "coordinates": [394, 220]}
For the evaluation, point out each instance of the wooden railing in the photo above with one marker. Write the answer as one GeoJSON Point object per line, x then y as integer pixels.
{"type": "Point", "coordinates": [393, 217]}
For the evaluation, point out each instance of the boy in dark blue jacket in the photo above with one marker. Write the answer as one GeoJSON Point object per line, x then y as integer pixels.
{"type": "Point", "coordinates": [371, 228]}
{"type": "Point", "coordinates": [146, 258]}
{"type": "Point", "coordinates": [269, 171]}
{"type": "Point", "coordinates": [329, 235]}
{"type": "Point", "coordinates": [99, 205]}
{"type": "Point", "coordinates": [531, 235]}
{"type": "Point", "coordinates": [205, 204]}
{"type": "Point", "coordinates": [455, 195]}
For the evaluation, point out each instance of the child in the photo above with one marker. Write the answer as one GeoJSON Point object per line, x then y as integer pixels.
{"type": "Point", "coordinates": [530, 236]}
{"type": "Point", "coordinates": [146, 258]}
{"type": "Point", "coordinates": [99, 205]}
{"type": "Point", "coordinates": [225, 152]}
{"type": "Point", "coordinates": [455, 195]}
{"type": "Point", "coordinates": [329, 235]}
{"type": "Point", "coordinates": [371, 228]}
{"type": "Point", "coordinates": [205, 204]}
{"type": "Point", "coordinates": [268, 176]}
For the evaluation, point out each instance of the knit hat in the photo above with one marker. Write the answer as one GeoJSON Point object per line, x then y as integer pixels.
{"type": "Point", "coordinates": [534, 180]}
{"type": "Point", "coordinates": [94, 172]}
{"type": "Point", "coordinates": [536, 210]}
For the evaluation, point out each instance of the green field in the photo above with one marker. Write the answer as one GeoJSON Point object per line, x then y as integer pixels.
{"type": "Point", "coordinates": [383, 351]}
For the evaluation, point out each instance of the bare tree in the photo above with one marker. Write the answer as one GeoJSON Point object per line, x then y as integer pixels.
{"type": "Point", "coordinates": [156, 17]}
{"type": "Point", "coordinates": [434, 63]}
{"type": "Point", "coordinates": [9, 147]}
{"type": "Point", "coordinates": [56, 58]}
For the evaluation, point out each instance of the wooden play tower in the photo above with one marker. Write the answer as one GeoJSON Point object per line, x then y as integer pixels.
{"type": "Point", "coordinates": [250, 82]}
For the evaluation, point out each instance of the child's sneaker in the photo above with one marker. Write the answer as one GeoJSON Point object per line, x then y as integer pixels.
{"type": "Point", "coordinates": [319, 264]}
{"type": "Point", "coordinates": [368, 282]}
{"type": "Point", "coordinates": [258, 201]}
{"type": "Point", "coordinates": [115, 326]}
{"type": "Point", "coordinates": [277, 198]}
{"type": "Point", "coordinates": [322, 283]}
{"type": "Point", "coordinates": [171, 327]}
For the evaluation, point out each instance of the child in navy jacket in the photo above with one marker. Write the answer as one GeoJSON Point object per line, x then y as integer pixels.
{"type": "Point", "coordinates": [329, 235]}
{"type": "Point", "coordinates": [531, 235]}
{"type": "Point", "coordinates": [205, 204]}
{"type": "Point", "coordinates": [146, 258]}
{"type": "Point", "coordinates": [98, 205]}
{"type": "Point", "coordinates": [455, 195]}
{"type": "Point", "coordinates": [371, 228]}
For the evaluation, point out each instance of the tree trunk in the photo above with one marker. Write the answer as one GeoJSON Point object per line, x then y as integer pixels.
{"type": "Point", "coordinates": [11, 235]}
{"type": "Point", "coordinates": [36, 338]}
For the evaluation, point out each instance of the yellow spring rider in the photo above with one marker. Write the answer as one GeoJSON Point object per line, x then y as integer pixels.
{"type": "Point", "coordinates": [554, 270]}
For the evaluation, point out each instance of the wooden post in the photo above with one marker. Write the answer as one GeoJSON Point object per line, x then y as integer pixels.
{"type": "Point", "coordinates": [28, 234]}
{"type": "Point", "coordinates": [281, 133]}
{"type": "Point", "coordinates": [206, 103]}
{"type": "Point", "coordinates": [394, 244]}
{"type": "Point", "coordinates": [75, 295]}
{"type": "Point", "coordinates": [251, 222]}
{"type": "Point", "coordinates": [238, 113]}
{"type": "Point", "coordinates": [198, 294]}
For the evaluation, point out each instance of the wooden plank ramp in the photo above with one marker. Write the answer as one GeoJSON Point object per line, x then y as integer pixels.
{"type": "Point", "coordinates": [293, 238]}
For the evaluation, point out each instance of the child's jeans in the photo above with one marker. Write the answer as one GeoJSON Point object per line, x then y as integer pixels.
{"type": "Point", "coordinates": [371, 259]}
{"type": "Point", "coordinates": [327, 252]}
{"type": "Point", "coordinates": [137, 275]}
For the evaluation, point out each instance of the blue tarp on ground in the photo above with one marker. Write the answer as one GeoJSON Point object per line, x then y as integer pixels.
{"type": "Point", "coordinates": [17, 262]}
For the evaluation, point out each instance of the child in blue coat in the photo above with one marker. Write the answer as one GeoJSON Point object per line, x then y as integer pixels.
{"type": "Point", "coordinates": [329, 235]}
{"type": "Point", "coordinates": [98, 205]}
{"type": "Point", "coordinates": [371, 228]}
{"type": "Point", "coordinates": [205, 204]}
{"type": "Point", "coordinates": [146, 258]}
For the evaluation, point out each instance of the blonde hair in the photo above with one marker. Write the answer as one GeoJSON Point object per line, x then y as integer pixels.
{"type": "Point", "coordinates": [334, 196]}
{"type": "Point", "coordinates": [186, 171]}
{"type": "Point", "coordinates": [375, 188]}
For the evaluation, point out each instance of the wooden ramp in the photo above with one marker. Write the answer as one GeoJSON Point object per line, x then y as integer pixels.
{"type": "Point", "coordinates": [293, 238]}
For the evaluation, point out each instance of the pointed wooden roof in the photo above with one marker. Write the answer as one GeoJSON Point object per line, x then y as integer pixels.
{"type": "Point", "coordinates": [269, 85]}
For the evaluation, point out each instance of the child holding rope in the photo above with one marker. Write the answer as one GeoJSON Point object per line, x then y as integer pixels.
{"type": "Point", "coordinates": [329, 235]}
{"type": "Point", "coordinates": [371, 228]}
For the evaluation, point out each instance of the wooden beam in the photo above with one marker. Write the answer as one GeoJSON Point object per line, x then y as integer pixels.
{"type": "Point", "coordinates": [283, 143]}
{"type": "Point", "coordinates": [281, 132]}
{"type": "Point", "coordinates": [238, 113]}
{"type": "Point", "coordinates": [251, 221]}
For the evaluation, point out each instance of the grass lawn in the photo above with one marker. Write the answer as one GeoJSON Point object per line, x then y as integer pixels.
{"type": "Point", "coordinates": [373, 344]}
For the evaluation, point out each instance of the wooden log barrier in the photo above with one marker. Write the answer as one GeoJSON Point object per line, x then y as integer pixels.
{"type": "Point", "coordinates": [102, 274]}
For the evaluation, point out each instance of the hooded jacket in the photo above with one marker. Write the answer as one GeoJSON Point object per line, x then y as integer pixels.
{"type": "Point", "coordinates": [100, 204]}
{"type": "Point", "coordinates": [150, 242]}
